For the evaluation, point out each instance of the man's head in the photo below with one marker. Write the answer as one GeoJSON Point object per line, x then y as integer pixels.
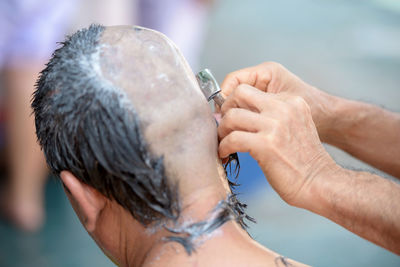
{"type": "Point", "coordinates": [119, 114]}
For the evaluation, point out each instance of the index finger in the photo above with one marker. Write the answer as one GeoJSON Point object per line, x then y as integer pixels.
{"type": "Point", "coordinates": [234, 79]}
{"type": "Point", "coordinates": [257, 76]}
{"type": "Point", "coordinates": [247, 97]}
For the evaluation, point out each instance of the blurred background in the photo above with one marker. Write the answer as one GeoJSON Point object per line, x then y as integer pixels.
{"type": "Point", "coordinates": [347, 48]}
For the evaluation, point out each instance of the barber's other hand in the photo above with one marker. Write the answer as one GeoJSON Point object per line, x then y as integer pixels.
{"type": "Point", "coordinates": [272, 77]}
{"type": "Point", "coordinates": [278, 131]}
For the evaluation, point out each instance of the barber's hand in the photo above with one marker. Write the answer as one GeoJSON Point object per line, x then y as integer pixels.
{"type": "Point", "coordinates": [272, 77]}
{"type": "Point", "coordinates": [278, 131]}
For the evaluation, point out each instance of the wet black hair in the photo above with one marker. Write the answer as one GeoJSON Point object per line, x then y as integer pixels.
{"type": "Point", "coordinates": [87, 126]}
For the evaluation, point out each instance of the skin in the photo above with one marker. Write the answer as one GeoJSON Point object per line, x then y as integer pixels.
{"type": "Point", "coordinates": [177, 123]}
{"type": "Point", "coordinates": [282, 120]}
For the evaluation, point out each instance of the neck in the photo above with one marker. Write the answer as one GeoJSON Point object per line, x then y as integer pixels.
{"type": "Point", "coordinates": [229, 239]}
{"type": "Point", "coordinates": [200, 223]}
{"type": "Point", "coordinates": [197, 224]}
{"type": "Point", "coordinates": [207, 224]}
{"type": "Point", "coordinates": [208, 221]}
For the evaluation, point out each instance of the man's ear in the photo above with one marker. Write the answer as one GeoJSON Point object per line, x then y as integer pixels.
{"type": "Point", "coordinates": [86, 201]}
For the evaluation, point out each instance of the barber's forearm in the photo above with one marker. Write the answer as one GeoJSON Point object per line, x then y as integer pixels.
{"type": "Point", "coordinates": [365, 204]}
{"type": "Point", "coordinates": [365, 131]}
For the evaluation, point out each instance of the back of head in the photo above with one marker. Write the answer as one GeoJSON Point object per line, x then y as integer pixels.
{"type": "Point", "coordinates": [115, 106]}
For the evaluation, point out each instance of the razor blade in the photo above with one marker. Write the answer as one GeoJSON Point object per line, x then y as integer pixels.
{"type": "Point", "coordinates": [209, 86]}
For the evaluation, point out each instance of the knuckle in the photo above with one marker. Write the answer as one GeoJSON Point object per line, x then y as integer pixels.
{"type": "Point", "coordinates": [300, 103]}
{"type": "Point", "coordinates": [241, 90]}
{"type": "Point", "coordinates": [293, 103]}
{"type": "Point", "coordinates": [267, 140]}
{"type": "Point", "coordinates": [229, 117]}
{"type": "Point", "coordinates": [298, 100]}
{"type": "Point", "coordinates": [231, 76]}
{"type": "Point", "coordinates": [231, 113]}
{"type": "Point", "coordinates": [233, 138]}
{"type": "Point", "coordinates": [273, 65]}
{"type": "Point", "coordinates": [242, 87]}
